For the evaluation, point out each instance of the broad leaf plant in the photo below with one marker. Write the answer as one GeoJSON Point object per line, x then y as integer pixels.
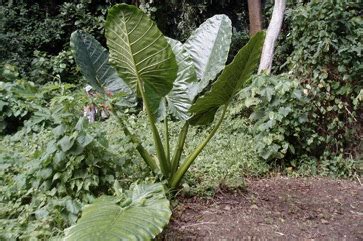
{"type": "Point", "coordinates": [137, 214]}
{"type": "Point", "coordinates": [171, 78]}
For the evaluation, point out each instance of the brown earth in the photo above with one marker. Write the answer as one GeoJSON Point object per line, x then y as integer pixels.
{"type": "Point", "coordinates": [275, 209]}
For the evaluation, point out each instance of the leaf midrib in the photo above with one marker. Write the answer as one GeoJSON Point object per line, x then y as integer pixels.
{"type": "Point", "coordinates": [139, 82]}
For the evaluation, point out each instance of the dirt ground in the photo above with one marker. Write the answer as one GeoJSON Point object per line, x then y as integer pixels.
{"type": "Point", "coordinates": [275, 209]}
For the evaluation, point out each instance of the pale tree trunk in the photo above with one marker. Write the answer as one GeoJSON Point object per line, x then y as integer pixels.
{"type": "Point", "coordinates": [272, 34]}
{"type": "Point", "coordinates": [255, 17]}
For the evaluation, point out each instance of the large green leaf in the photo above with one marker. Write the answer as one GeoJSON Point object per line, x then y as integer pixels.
{"type": "Point", "coordinates": [208, 46]}
{"type": "Point", "coordinates": [141, 215]}
{"type": "Point", "coordinates": [140, 53]}
{"type": "Point", "coordinates": [233, 78]}
{"type": "Point", "coordinates": [180, 98]}
{"type": "Point", "coordinates": [92, 59]}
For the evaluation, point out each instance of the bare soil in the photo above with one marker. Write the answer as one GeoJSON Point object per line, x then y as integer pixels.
{"type": "Point", "coordinates": [275, 209]}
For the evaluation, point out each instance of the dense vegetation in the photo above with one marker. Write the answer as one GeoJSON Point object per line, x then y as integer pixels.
{"type": "Point", "coordinates": [303, 119]}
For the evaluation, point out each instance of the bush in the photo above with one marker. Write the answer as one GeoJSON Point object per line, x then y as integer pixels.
{"type": "Point", "coordinates": [24, 102]}
{"type": "Point", "coordinates": [47, 177]}
{"type": "Point", "coordinates": [18, 99]}
{"type": "Point", "coordinates": [324, 49]}
{"type": "Point", "coordinates": [326, 39]}
{"type": "Point", "coordinates": [326, 36]}
{"type": "Point", "coordinates": [283, 133]}
{"type": "Point", "coordinates": [278, 116]}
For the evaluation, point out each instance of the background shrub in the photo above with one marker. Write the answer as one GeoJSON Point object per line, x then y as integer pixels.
{"type": "Point", "coordinates": [327, 60]}
{"type": "Point", "coordinates": [320, 52]}
{"type": "Point", "coordinates": [278, 116]}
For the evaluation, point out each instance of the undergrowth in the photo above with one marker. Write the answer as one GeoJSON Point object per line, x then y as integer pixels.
{"type": "Point", "coordinates": [32, 208]}
{"type": "Point", "coordinates": [226, 159]}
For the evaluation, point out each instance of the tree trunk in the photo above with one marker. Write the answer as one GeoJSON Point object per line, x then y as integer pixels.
{"type": "Point", "coordinates": [272, 34]}
{"type": "Point", "coordinates": [255, 17]}
{"type": "Point", "coordinates": [135, 2]}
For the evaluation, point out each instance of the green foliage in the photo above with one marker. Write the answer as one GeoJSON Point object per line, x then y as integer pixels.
{"type": "Point", "coordinates": [18, 214]}
{"type": "Point", "coordinates": [60, 171]}
{"type": "Point", "coordinates": [226, 160]}
{"type": "Point", "coordinates": [178, 19]}
{"type": "Point", "coordinates": [282, 131]}
{"type": "Point", "coordinates": [49, 175]}
{"type": "Point", "coordinates": [18, 100]}
{"type": "Point", "coordinates": [336, 167]}
{"type": "Point", "coordinates": [24, 102]}
{"type": "Point", "coordinates": [147, 63]}
{"type": "Point", "coordinates": [322, 46]}
{"type": "Point", "coordinates": [93, 61]}
{"type": "Point", "coordinates": [278, 117]}
{"type": "Point", "coordinates": [13, 104]}
{"type": "Point", "coordinates": [327, 52]}
{"type": "Point", "coordinates": [73, 163]}
{"type": "Point", "coordinates": [327, 57]}
{"type": "Point", "coordinates": [32, 36]}
{"type": "Point", "coordinates": [185, 21]}
{"type": "Point", "coordinates": [59, 65]}
{"type": "Point", "coordinates": [84, 14]}
{"type": "Point", "coordinates": [208, 47]}
{"type": "Point", "coordinates": [57, 68]}
{"type": "Point", "coordinates": [138, 214]}
{"type": "Point", "coordinates": [24, 26]}
{"type": "Point", "coordinates": [233, 78]}
{"type": "Point", "coordinates": [144, 60]}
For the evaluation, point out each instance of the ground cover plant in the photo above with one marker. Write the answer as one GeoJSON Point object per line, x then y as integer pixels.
{"type": "Point", "coordinates": [210, 171]}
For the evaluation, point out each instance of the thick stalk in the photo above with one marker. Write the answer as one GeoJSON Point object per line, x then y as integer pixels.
{"type": "Point", "coordinates": [179, 148]}
{"type": "Point", "coordinates": [164, 163]}
{"type": "Point", "coordinates": [167, 142]}
{"type": "Point", "coordinates": [175, 180]}
{"type": "Point", "coordinates": [142, 151]}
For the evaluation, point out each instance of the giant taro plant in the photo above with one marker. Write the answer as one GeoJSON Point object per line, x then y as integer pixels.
{"type": "Point", "coordinates": [171, 80]}
{"type": "Point", "coordinates": [168, 76]}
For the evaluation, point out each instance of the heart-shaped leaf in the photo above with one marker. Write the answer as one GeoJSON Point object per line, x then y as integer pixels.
{"type": "Point", "coordinates": [141, 215]}
{"type": "Point", "coordinates": [140, 53]}
{"type": "Point", "coordinates": [208, 46]}
{"type": "Point", "coordinates": [92, 59]}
